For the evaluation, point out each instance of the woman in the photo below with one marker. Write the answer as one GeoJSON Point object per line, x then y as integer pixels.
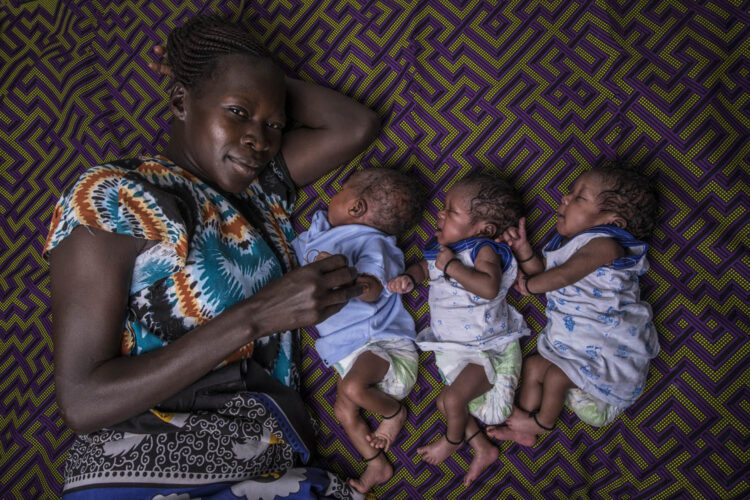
{"type": "Point", "coordinates": [163, 269]}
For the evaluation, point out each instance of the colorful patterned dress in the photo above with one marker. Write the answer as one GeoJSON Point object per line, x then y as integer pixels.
{"type": "Point", "coordinates": [222, 436]}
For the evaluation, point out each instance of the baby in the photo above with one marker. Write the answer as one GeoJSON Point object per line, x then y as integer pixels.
{"type": "Point", "coordinates": [599, 337]}
{"type": "Point", "coordinates": [473, 330]}
{"type": "Point", "coordinates": [370, 342]}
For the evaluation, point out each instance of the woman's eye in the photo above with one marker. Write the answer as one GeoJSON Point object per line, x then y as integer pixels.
{"type": "Point", "coordinates": [238, 111]}
{"type": "Point", "coordinates": [274, 125]}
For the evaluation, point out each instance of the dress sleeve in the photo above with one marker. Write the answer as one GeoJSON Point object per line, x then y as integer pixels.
{"type": "Point", "coordinates": [117, 199]}
{"type": "Point", "coordinates": [276, 180]}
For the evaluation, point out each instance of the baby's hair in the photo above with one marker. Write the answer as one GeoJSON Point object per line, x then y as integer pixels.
{"type": "Point", "coordinates": [394, 198]}
{"type": "Point", "coordinates": [494, 201]}
{"type": "Point", "coordinates": [629, 194]}
{"type": "Point", "coordinates": [194, 48]}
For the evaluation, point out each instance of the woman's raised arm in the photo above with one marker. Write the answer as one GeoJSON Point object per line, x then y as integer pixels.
{"type": "Point", "coordinates": [334, 130]}
{"type": "Point", "coordinates": [90, 276]}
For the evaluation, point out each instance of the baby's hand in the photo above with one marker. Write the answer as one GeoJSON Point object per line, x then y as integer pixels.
{"type": "Point", "coordinates": [321, 256]}
{"type": "Point", "coordinates": [401, 284]}
{"type": "Point", "coordinates": [444, 255]}
{"type": "Point", "coordinates": [516, 239]}
{"type": "Point", "coordinates": [520, 284]}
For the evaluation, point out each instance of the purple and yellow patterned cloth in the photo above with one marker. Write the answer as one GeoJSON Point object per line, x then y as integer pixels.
{"type": "Point", "coordinates": [535, 92]}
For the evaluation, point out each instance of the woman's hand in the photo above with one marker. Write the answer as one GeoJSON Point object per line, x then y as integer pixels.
{"type": "Point", "coordinates": [161, 67]}
{"type": "Point", "coordinates": [305, 296]}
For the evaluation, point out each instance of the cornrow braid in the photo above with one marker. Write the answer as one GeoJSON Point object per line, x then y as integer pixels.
{"type": "Point", "coordinates": [195, 47]}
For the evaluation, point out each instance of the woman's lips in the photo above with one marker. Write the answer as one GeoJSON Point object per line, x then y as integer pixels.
{"type": "Point", "coordinates": [245, 166]}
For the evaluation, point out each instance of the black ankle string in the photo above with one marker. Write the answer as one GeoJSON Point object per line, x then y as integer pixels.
{"type": "Point", "coordinates": [400, 407]}
{"type": "Point", "coordinates": [454, 443]}
{"type": "Point", "coordinates": [374, 456]}
{"type": "Point", "coordinates": [532, 414]}
{"type": "Point", "coordinates": [473, 435]}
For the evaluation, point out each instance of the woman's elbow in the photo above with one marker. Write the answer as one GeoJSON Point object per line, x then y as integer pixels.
{"type": "Point", "coordinates": [77, 420]}
{"type": "Point", "coordinates": [79, 415]}
{"type": "Point", "coordinates": [366, 128]}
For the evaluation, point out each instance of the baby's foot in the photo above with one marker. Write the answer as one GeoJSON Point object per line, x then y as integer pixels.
{"type": "Point", "coordinates": [505, 433]}
{"type": "Point", "coordinates": [485, 453]}
{"type": "Point", "coordinates": [438, 451]}
{"type": "Point", "coordinates": [378, 471]}
{"type": "Point", "coordinates": [524, 423]}
{"type": "Point", "coordinates": [384, 436]}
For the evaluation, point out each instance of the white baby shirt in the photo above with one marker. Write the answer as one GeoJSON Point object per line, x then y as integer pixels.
{"type": "Point", "coordinates": [598, 330]}
{"type": "Point", "coordinates": [461, 320]}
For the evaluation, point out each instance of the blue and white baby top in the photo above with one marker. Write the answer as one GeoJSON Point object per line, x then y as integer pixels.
{"type": "Point", "coordinates": [372, 252]}
{"type": "Point", "coordinates": [461, 320]}
{"type": "Point", "coordinates": [599, 331]}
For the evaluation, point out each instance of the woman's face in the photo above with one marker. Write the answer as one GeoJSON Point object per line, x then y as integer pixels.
{"type": "Point", "coordinates": [233, 122]}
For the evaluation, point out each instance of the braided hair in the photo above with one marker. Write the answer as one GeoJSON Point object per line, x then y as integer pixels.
{"type": "Point", "coordinates": [493, 200]}
{"type": "Point", "coordinates": [195, 48]}
{"type": "Point", "coordinates": [629, 194]}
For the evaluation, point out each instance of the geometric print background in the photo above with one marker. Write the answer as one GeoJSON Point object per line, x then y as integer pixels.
{"type": "Point", "coordinates": [535, 92]}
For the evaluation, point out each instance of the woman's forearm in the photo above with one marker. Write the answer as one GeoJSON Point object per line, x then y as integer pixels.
{"type": "Point", "coordinates": [96, 386]}
{"type": "Point", "coordinates": [334, 129]}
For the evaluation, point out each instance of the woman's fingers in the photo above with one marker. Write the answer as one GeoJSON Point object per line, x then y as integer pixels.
{"type": "Point", "coordinates": [160, 67]}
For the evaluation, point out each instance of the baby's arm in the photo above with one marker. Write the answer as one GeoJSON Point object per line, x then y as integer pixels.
{"type": "Point", "coordinates": [402, 283]}
{"type": "Point", "coordinates": [596, 253]}
{"type": "Point", "coordinates": [527, 259]}
{"type": "Point", "coordinates": [482, 280]}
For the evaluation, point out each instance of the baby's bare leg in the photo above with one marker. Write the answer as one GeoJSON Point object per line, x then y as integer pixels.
{"type": "Point", "coordinates": [555, 386]}
{"type": "Point", "coordinates": [359, 387]}
{"type": "Point", "coordinates": [534, 370]}
{"type": "Point", "coordinates": [452, 402]}
{"type": "Point", "coordinates": [378, 468]}
{"type": "Point", "coordinates": [485, 453]}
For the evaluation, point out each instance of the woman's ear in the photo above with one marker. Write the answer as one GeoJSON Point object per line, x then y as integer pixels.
{"type": "Point", "coordinates": [177, 98]}
{"type": "Point", "coordinates": [357, 208]}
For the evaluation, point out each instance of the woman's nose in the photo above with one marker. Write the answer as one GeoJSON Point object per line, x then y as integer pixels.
{"type": "Point", "coordinates": [255, 138]}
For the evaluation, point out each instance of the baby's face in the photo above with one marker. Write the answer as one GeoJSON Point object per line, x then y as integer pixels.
{"type": "Point", "coordinates": [580, 209]}
{"type": "Point", "coordinates": [454, 221]}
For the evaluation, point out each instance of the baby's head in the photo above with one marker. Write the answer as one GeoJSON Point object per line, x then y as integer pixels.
{"type": "Point", "coordinates": [615, 194]}
{"type": "Point", "coordinates": [382, 198]}
{"type": "Point", "coordinates": [479, 205]}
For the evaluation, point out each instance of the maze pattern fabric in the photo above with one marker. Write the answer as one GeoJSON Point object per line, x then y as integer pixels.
{"type": "Point", "coordinates": [535, 92]}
